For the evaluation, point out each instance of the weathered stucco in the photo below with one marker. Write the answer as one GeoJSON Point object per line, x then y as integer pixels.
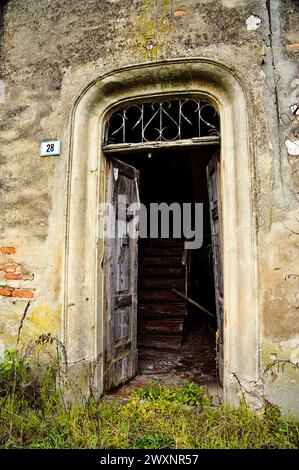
{"type": "Point", "coordinates": [51, 51]}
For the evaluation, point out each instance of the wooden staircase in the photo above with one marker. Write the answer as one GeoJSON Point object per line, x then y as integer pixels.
{"type": "Point", "coordinates": [161, 312]}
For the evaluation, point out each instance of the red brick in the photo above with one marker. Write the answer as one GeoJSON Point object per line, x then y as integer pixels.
{"type": "Point", "coordinates": [8, 268]}
{"type": "Point", "coordinates": [8, 250]}
{"type": "Point", "coordinates": [179, 12]}
{"type": "Point", "coordinates": [293, 47]}
{"type": "Point", "coordinates": [6, 292]}
{"type": "Point", "coordinates": [13, 276]}
{"type": "Point", "coordinates": [28, 294]}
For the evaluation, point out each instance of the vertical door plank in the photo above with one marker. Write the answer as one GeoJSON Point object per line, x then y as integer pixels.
{"type": "Point", "coordinates": [121, 257]}
{"type": "Point", "coordinates": [213, 180]}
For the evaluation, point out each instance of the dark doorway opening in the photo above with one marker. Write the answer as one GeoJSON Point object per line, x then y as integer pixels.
{"type": "Point", "coordinates": [176, 340]}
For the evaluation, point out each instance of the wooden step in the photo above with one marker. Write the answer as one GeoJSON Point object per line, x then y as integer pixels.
{"type": "Point", "coordinates": [161, 295]}
{"type": "Point", "coordinates": [163, 272]}
{"type": "Point", "coordinates": [162, 342]}
{"type": "Point", "coordinates": [162, 261]}
{"type": "Point", "coordinates": [160, 327]}
{"type": "Point", "coordinates": [161, 283]}
{"type": "Point", "coordinates": [157, 310]}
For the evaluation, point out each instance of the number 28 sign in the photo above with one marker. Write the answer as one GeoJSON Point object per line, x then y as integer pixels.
{"type": "Point", "coordinates": [50, 148]}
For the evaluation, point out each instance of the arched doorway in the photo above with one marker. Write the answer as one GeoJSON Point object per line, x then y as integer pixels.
{"type": "Point", "coordinates": [84, 300]}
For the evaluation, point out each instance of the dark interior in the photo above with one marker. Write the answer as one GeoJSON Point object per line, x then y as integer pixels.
{"type": "Point", "coordinates": [173, 335]}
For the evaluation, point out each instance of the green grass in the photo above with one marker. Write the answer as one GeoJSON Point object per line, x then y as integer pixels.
{"type": "Point", "coordinates": [155, 417]}
{"type": "Point", "coordinates": [34, 414]}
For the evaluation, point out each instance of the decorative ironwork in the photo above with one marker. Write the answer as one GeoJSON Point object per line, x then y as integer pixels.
{"type": "Point", "coordinates": [164, 121]}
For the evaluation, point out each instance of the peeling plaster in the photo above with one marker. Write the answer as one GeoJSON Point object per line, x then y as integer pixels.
{"type": "Point", "coordinates": [292, 147]}
{"type": "Point", "coordinates": [253, 23]}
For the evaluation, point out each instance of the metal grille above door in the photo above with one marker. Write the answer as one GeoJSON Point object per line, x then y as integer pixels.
{"type": "Point", "coordinates": [162, 121]}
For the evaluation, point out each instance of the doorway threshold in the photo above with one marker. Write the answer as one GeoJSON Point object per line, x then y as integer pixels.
{"type": "Point", "coordinates": [195, 362]}
{"type": "Point", "coordinates": [212, 388]}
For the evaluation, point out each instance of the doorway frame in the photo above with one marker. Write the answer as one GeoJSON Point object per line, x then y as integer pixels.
{"type": "Point", "coordinates": [83, 313]}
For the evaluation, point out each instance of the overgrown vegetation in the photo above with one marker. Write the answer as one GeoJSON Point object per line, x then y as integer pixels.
{"type": "Point", "coordinates": [34, 414]}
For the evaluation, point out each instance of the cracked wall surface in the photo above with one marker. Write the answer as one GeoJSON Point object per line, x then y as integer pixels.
{"type": "Point", "coordinates": [52, 50]}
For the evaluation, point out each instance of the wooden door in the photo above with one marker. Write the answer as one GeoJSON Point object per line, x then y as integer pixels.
{"type": "Point", "coordinates": [121, 276]}
{"type": "Point", "coordinates": [213, 179]}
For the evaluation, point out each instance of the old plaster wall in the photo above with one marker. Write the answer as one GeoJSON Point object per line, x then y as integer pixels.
{"type": "Point", "coordinates": [51, 50]}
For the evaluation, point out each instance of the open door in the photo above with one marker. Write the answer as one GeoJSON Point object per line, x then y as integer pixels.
{"type": "Point", "coordinates": [213, 179]}
{"type": "Point", "coordinates": [121, 276]}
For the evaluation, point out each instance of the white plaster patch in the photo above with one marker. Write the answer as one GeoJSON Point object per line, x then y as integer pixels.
{"type": "Point", "coordinates": [253, 23]}
{"type": "Point", "coordinates": [292, 147]}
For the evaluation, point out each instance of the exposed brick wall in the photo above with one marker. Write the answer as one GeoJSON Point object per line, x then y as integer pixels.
{"type": "Point", "coordinates": [8, 250]}
{"type": "Point", "coordinates": [12, 271]}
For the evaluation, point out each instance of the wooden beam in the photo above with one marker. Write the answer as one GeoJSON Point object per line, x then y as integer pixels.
{"type": "Point", "coordinates": [137, 147]}
{"type": "Point", "coordinates": [200, 307]}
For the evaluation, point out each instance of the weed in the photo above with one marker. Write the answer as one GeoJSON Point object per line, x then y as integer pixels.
{"type": "Point", "coordinates": [152, 441]}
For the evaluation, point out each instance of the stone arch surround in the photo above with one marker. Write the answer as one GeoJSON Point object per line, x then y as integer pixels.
{"type": "Point", "coordinates": [83, 276]}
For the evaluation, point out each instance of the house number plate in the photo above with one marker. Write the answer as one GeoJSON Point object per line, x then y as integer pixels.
{"type": "Point", "coordinates": [50, 148]}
